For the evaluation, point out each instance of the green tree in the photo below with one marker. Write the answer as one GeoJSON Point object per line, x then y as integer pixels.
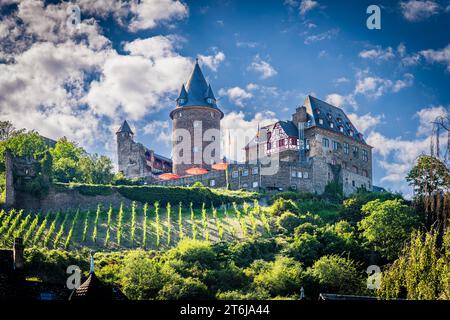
{"type": "Point", "coordinates": [428, 176]}
{"type": "Point", "coordinates": [66, 156]}
{"type": "Point", "coordinates": [387, 225]}
{"type": "Point", "coordinates": [24, 144]}
{"type": "Point", "coordinates": [334, 274]}
{"type": "Point", "coordinates": [422, 271]}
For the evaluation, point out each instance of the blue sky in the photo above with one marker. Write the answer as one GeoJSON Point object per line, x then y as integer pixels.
{"type": "Point", "coordinates": [128, 60]}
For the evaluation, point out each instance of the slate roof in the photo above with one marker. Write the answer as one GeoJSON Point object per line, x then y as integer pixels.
{"type": "Point", "coordinates": [318, 109]}
{"type": "Point", "coordinates": [125, 128]}
{"type": "Point", "coordinates": [196, 91]}
{"type": "Point", "coordinates": [94, 289]}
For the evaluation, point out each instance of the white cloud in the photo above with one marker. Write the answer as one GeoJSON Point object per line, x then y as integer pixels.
{"type": "Point", "coordinates": [246, 44]}
{"type": "Point", "coordinates": [241, 131]}
{"type": "Point", "coordinates": [341, 80]}
{"type": "Point", "coordinates": [307, 5]}
{"type": "Point", "coordinates": [439, 56]}
{"type": "Point", "coordinates": [138, 84]}
{"type": "Point", "coordinates": [364, 122]}
{"type": "Point", "coordinates": [148, 13]}
{"type": "Point", "coordinates": [341, 100]}
{"type": "Point", "coordinates": [427, 116]}
{"type": "Point", "coordinates": [236, 95]}
{"type": "Point", "coordinates": [375, 87]}
{"type": "Point", "coordinates": [378, 54]}
{"type": "Point", "coordinates": [262, 67]}
{"type": "Point", "coordinates": [416, 10]}
{"type": "Point", "coordinates": [330, 34]}
{"type": "Point", "coordinates": [160, 129]}
{"type": "Point", "coordinates": [212, 61]}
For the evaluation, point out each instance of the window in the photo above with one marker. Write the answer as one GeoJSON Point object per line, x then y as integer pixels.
{"type": "Point", "coordinates": [341, 128]}
{"type": "Point", "coordinates": [196, 124]}
{"type": "Point", "coordinates": [212, 113]}
{"type": "Point", "coordinates": [344, 164]}
{"type": "Point", "coordinates": [281, 142]}
{"type": "Point", "coordinates": [355, 169]}
{"type": "Point", "coordinates": [320, 121]}
{"type": "Point", "coordinates": [350, 132]}
{"type": "Point", "coordinates": [336, 145]}
{"type": "Point", "coordinates": [353, 183]}
{"type": "Point", "coordinates": [346, 148]}
{"type": "Point", "coordinates": [325, 143]}
{"type": "Point", "coordinates": [210, 101]}
{"type": "Point", "coordinates": [181, 101]}
{"type": "Point", "coordinates": [293, 174]}
{"type": "Point", "coordinates": [245, 185]}
{"type": "Point", "coordinates": [245, 172]}
{"type": "Point", "coordinates": [180, 114]}
{"type": "Point", "coordinates": [255, 170]}
{"type": "Point", "coordinates": [365, 155]}
{"type": "Point", "coordinates": [234, 174]}
{"type": "Point", "coordinates": [364, 173]}
{"type": "Point", "coordinates": [355, 150]}
{"type": "Point", "coordinates": [299, 174]}
{"type": "Point", "coordinates": [180, 138]}
{"type": "Point", "coordinates": [181, 153]}
{"type": "Point", "coordinates": [305, 175]}
{"type": "Point", "coordinates": [212, 183]}
{"type": "Point", "coordinates": [213, 138]}
{"type": "Point", "coordinates": [255, 184]}
{"type": "Point", "coordinates": [294, 141]}
{"type": "Point", "coordinates": [333, 162]}
{"type": "Point", "coordinates": [318, 111]}
{"type": "Point", "coordinates": [331, 125]}
{"type": "Point", "coordinates": [294, 187]}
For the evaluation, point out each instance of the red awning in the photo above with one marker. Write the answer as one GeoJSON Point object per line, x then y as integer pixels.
{"type": "Point", "coordinates": [196, 171]}
{"type": "Point", "coordinates": [168, 176]}
{"type": "Point", "coordinates": [220, 166]}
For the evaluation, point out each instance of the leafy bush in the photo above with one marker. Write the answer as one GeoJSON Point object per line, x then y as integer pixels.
{"type": "Point", "coordinates": [244, 253]}
{"type": "Point", "coordinates": [283, 276]}
{"type": "Point", "coordinates": [162, 194]}
{"type": "Point", "coordinates": [288, 222]}
{"type": "Point", "coordinates": [179, 288]}
{"type": "Point", "coordinates": [281, 205]}
{"type": "Point", "coordinates": [334, 274]}
{"type": "Point", "coordinates": [306, 248]}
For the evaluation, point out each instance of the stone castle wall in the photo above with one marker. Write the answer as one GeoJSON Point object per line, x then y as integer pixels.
{"type": "Point", "coordinates": [184, 118]}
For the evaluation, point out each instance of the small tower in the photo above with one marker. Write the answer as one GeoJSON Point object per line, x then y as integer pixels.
{"type": "Point", "coordinates": [196, 112]}
{"type": "Point", "coordinates": [124, 146]}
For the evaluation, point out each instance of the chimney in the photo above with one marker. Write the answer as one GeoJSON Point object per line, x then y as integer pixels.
{"type": "Point", "coordinates": [300, 115]}
{"type": "Point", "coordinates": [18, 254]}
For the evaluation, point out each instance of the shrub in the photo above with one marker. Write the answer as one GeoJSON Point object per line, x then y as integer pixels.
{"type": "Point", "coordinates": [281, 205]}
{"type": "Point", "coordinates": [288, 222]}
{"type": "Point", "coordinates": [179, 288]}
{"type": "Point", "coordinates": [334, 274]}
{"type": "Point", "coordinates": [305, 248]}
{"type": "Point", "coordinates": [284, 276]}
{"type": "Point", "coordinates": [244, 253]}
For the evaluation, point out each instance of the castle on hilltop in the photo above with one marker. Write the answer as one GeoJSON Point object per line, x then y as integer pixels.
{"type": "Point", "coordinates": [317, 146]}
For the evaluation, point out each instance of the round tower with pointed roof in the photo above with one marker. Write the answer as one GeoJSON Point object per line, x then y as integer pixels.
{"type": "Point", "coordinates": [196, 112]}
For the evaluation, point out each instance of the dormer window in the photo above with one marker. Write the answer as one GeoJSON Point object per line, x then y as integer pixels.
{"type": "Point", "coordinates": [341, 128]}
{"type": "Point", "coordinates": [181, 101]}
{"type": "Point", "coordinates": [350, 132]}
{"type": "Point", "coordinates": [210, 100]}
{"type": "Point", "coordinates": [321, 121]}
{"type": "Point", "coordinates": [318, 111]}
{"type": "Point", "coordinates": [331, 125]}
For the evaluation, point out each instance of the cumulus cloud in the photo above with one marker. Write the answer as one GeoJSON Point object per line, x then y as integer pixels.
{"type": "Point", "coordinates": [339, 100]}
{"type": "Point", "coordinates": [148, 13]}
{"type": "Point", "coordinates": [365, 122]}
{"type": "Point", "coordinates": [138, 83]}
{"type": "Point", "coordinates": [262, 67]}
{"type": "Point", "coordinates": [160, 129]}
{"type": "Point", "coordinates": [236, 95]}
{"type": "Point", "coordinates": [375, 87]}
{"type": "Point", "coordinates": [307, 5]}
{"type": "Point", "coordinates": [212, 61]}
{"type": "Point", "coordinates": [426, 118]}
{"type": "Point", "coordinates": [237, 131]}
{"type": "Point", "coordinates": [438, 56]}
{"type": "Point", "coordinates": [378, 54]}
{"type": "Point", "coordinates": [416, 10]}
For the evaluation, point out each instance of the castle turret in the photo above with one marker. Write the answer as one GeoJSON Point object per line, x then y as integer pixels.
{"type": "Point", "coordinates": [195, 114]}
{"type": "Point", "coordinates": [124, 145]}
